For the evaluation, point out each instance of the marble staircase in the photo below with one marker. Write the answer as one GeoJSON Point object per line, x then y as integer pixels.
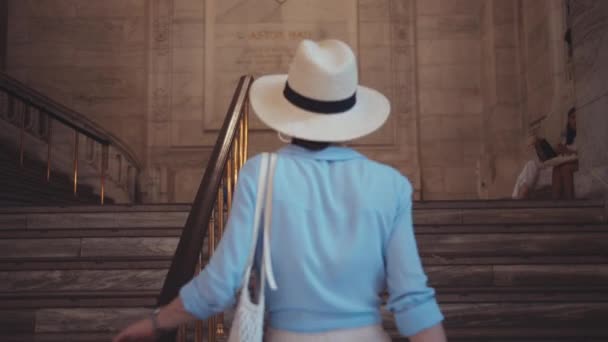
{"type": "Point", "coordinates": [80, 273]}
{"type": "Point", "coordinates": [518, 270]}
{"type": "Point", "coordinates": [503, 270]}
{"type": "Point", "coordinates": [28, 185]}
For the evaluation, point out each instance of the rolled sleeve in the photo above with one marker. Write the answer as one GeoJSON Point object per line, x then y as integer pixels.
{"type": "Point", "coordinates": [194, 303]}
{"type": "Point", "coordinates": [418, 318]}
{"type": "Point", "coordinates": [410, 298]}
{"type": "Point", "coordinates": [215, 288]}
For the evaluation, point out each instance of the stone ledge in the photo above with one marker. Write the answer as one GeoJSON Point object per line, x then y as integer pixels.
{"type": "Point", "coordinates": [591, 184]}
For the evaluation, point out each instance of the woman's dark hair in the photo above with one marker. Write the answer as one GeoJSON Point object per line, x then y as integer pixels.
{"type": "Point", "coordinates": [570, 131]}
{"type": "Point", "coordinates": [310, 145]}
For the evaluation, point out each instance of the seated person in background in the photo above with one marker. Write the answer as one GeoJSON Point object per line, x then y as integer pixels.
{"type": "Point", "coordinates": [561, 162]}
{"type": "Point", "coordinates": [563, 174]}
{"type": "Point", "coordinates": [529, 177]}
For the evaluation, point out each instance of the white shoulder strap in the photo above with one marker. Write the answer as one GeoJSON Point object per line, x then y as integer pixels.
{"type": "Point", "coordinates": [257, 215]}
{"type": "Point", "coordinates": [266, 255]}
{"type": "Point", "coordinates": [263, 200]}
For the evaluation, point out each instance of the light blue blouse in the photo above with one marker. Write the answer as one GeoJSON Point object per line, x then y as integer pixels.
{"type": "Point", "coordinates": [341, 233]}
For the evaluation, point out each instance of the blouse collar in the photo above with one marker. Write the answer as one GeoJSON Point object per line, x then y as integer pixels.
{"type": "Point", "coordinates": [329, 153]}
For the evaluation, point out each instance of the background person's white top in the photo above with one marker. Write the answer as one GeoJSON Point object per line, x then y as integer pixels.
{"type": "Point", "coordinates": [341, 233]}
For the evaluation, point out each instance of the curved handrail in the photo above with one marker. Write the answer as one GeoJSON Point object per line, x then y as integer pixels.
{"type": "Point", "coordinates": [65, 115]}
{"type": "Point", "coordinates": [191, 241]}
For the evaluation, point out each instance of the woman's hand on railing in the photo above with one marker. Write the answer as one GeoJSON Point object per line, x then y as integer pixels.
{"type": "Point", "coordinates": [140, 331]}
{"type": "Point", "coordinates": [166, 319]}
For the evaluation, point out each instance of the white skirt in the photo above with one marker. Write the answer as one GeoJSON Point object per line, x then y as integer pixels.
{"type": "Point", "coordinates": [370, 333]}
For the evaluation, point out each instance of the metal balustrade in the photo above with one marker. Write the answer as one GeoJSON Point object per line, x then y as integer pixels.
{"type": "Point", "coordinates": [36, 116]}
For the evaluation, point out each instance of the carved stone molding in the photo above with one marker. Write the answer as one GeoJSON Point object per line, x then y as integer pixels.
{"type": "Point", "coordinates": [160, 18]}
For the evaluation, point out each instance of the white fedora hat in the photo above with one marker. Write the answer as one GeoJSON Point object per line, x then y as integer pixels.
{"type": "Point", "coordinates": [320, 99]}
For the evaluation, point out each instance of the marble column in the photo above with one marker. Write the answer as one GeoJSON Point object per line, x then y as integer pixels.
{"type": "Point", "coordinates": [589, 23]}
{"type": "Point", "coordinates": [449, 96]}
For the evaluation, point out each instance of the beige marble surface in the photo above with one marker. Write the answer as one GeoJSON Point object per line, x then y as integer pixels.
{"type": "Point", "coordinates": [89, 55]}
{"type": "Point", "coordinates": [181, 126]}
{"type": "Point", "coordinates": [466, 78]}
{"type": "Point", "coordinates": [260, 37]}
{"type": "Point", "coordinates": [87, 319]}
{"type": "Point", "coordinates": [92, 280]}
{"type": "Point", "coordinates": [450, 99]}
{"type": "Point", "coordinates": [38, 248]}
{"type": "Point", "coordinates": [120, 247]}
{"type": "Point", "coordinates": [590, 47]}
{"type": "Point", "coordinates": [590, 40]}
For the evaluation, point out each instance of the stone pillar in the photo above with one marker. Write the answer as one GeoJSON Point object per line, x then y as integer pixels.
{"type": "Point", "coordinates": [589, 24]}
{"type": "Point", "coordinates": [449, 97]}
{"type": "Point", "coordinates": [3, 33]}
{"type": "Point", "coordinates": [87, 55]}
{"type": "Point", "coordinates": [196, 48]}
{"type": "Point", "coordinates": [160, 89]}
{"type": "Point", "coordinates": [501, 119]}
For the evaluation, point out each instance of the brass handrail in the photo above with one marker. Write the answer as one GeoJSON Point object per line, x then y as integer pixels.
{"type": "Point", "coordinates": [211, 205]}
{"type": "Point", "coordinates": [28, 99]}
{"type": "Point", "coordinates": [65, 115]}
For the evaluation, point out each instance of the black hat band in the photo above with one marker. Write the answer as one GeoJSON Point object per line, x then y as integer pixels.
{"type": "Point", "coordinates": [317, 106]}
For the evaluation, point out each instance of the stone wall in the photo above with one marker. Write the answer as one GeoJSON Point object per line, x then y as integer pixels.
{"type": "Point", "coordinates": [88, 55]}
{"type": "Point", "coordinates": [589, 23]}
{"type": "Point", "coordinates": [3, 33]}
{"type": "Point", "coordinates": [449, 93]}
{"type": "Point", "coordinates": [527, 86]}
{"type": "Point", "coordinates": [468, 80]}
{"type": "Point", "coordinates": [182, 129]}
{"type": "Point", "coordinates": [545, 77]}
{"type": "Point", "coordinates": [175, 96]}
{"type": "Point", "coordinates": [502, 119]}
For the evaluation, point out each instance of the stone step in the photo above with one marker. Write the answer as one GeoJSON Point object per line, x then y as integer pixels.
{"type": "Point", "coordinates": [82, 299]}
{"type": "Point", "coordinates": [521, 338]}
{"type": "Point", "coordinates": [24, 199]}
{"type": "Point", "coordinates": [422, 217]}
{"type": "Point", "coordinates": [418, 205]}
{"type": "Point", "coordinates": [521, 320]}
{"type": "Point", "coordinates": [431, 260]}
{"type": "Point", "coordinates": [511, 228]}
{"type": "Point", "coordinates": [85, 263]}
{"type": "Point", "coordinates": [35, 233]}
{"type": "Point", "coordinates": [76, 280]}
{"type": "Point", "coordinates": [37, 194]}
{"type": "Point", "coordinates": [81, 233]}
{"type": "Point", "coordinates": [507, 204]}
{"type": "Point", "coordinates": [505, 276]}
{"type": "Point", "coordinates": [69, 320]}
{"type": "Point", "coordinates": [433, 248]}
{"type": "Point", "coordinates": [93, 220]}
{"type": "Point", "coordinates": [116, 208]}
{"type": "Point", "coordinates": [467, 320]}
{"type": "Point", "coordinates": [23, 186]}
{"type": "Point", "coordinates": [462, 280]}
{"type": "Point", "coordinates": [501, 271]}
{"type": "Point", "coordinates": [13, 170]}
{"type": "Point", "coordinates": [147, 298]}
{"type": "Point", "coordinates": [585, 215]}
{"type": "Point", "coordinates": [519, 244]}
{"type": "Point", "coordinates": [505, 319]}
{"type": "Point", "coordinates": [29, 185]}
{"type": "Point", "coordinates": [522, 294]}
{"type": "Point", "coordinates": [57, 337]}
{"type": "Point", "coordinates": [88, 247]}
{"type": "Point", "coordinates": [30, 169]}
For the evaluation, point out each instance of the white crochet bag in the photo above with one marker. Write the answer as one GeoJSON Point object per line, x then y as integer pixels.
{"type": "Point", "coordinates": [248, 322]}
